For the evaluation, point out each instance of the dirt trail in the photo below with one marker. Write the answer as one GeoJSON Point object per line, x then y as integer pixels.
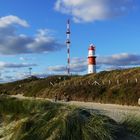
{"type": "Point", "coordinates": [117, 112]}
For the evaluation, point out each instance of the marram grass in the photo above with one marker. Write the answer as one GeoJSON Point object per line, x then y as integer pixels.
{"type": "Point", "coordinates": [40, 120]}
{"type": "Point", "coordinates": [132, 124]}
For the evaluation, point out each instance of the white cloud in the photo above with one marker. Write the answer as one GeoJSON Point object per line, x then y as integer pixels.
{"type": "Point", "coordinates": [92, 10]}
{"type": "Point", "coordinates": [15, 65]}
{"type": "Point", "coordinates": [11, 78]}
{"type": "Point", "coordinates": [44, 42]}
{"type": "Point", "coordinates": [10, 71]}
{"type": "Point", "coordinates": [12, 43]}
{"type": "Point", "coordinates": [10, 20]}
{"type": "Point", "coordinates": [123, 59]}
{"type": "Point", "coordinates": [117, 61]}
{"type": "Point", "coordinates": [26, 58]}
{"type": "Point", "coordinates": [57, 68]}
{"type": "Point", "coordinates": [19, 76]}
{"type": "Point", "coordinates": [77, 65]}
{"type": "Point", "coordinates": [23, 58]}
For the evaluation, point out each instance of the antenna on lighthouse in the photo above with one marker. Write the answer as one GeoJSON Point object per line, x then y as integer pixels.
{"type": "Point", "coordinates": [68, 46]}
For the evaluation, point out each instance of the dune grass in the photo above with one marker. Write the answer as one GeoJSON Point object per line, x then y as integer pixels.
{"type": "Point", "coordinates": [40, 120]}
{"type": "Point", "coordinates": [82, 87]}
{"type": "Point", "coordinates": [132, 125]}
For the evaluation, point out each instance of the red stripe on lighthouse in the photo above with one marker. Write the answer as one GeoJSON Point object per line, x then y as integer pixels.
{"type": "Point", "coordinates": [91, 48]}
{"type": "Point", "coordinates": [92, 60]}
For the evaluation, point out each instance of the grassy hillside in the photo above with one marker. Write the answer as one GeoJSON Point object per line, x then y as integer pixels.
{"type": "Point", "coordinates": [39, 120]}
{"type": "Point", "coordinates": [118, 86]}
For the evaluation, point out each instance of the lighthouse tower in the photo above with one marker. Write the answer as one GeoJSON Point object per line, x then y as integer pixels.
{"type": "Point", "coordinates": [91, 59]}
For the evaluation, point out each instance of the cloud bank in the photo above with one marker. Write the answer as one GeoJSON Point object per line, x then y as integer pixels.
{"type": "Point", "coordinates": [116, 61]}
{"type": "Point", "coordinates": [15, 65]}
{"type": "Point", "coordinates": [77, 65]}
{"type": "Point", "coordinates": [123, 59]}
{"type": "Point", "coordinates": [92, 10]}
{"type": "Point", "coordinates": [12, 43]}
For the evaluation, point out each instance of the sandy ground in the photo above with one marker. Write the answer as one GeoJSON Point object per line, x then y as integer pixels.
{"type": "Point", "coordinates": [117, 112]}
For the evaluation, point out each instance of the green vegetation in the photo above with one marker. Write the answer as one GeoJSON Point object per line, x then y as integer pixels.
{"type": "Point", "coordinates": [40, 120]}
{"type": "Point", "coordinates": [122, 89]}
{"type": "Point", "coordinates": [132, 124]}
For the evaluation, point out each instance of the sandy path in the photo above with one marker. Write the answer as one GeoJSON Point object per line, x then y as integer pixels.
{"type": "Point", "coordinates": [117, 112]}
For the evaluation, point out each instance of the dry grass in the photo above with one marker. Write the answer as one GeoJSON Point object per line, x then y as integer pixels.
{"type": "Point", "coordinates": [39, 120]}
{"type": "Point", "coordinates": [82, 87]}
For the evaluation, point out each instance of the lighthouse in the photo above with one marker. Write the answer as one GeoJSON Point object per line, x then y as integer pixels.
{"type": "Point", "coordinates": [91, 59]}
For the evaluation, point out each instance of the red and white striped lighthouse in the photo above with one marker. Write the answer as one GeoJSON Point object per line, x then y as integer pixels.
{"type": "Point", "coordinates": [91, 59]}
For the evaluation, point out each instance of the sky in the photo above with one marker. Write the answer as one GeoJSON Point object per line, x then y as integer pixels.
{"type": "Point", "coordinates": [33, 34]}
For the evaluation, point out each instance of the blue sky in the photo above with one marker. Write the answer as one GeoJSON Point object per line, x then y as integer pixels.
{"type": "Point", "coordinates": [32, 34]}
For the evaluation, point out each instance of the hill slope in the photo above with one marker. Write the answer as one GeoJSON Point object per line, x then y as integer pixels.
{"type": "Point", "coordinates": [118, 86]}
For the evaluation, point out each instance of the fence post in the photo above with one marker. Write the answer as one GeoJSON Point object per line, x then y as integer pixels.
{"type": "Point", "coordinates": [109, 82]}
{"type": "Point", "coordinates": [118, 82]}
{"type": "Point", "coordinates": [127, 81]}
{"type": "Point", "coordinates": [136, 80]}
